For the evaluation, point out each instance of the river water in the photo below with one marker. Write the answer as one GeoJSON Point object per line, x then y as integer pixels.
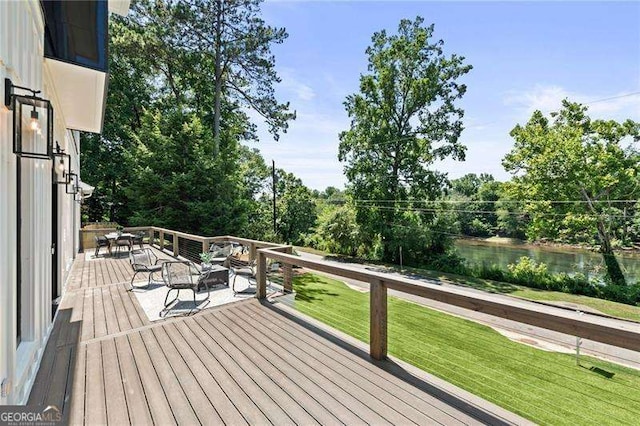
{"type": "Point", "coordinates": [557, 259]}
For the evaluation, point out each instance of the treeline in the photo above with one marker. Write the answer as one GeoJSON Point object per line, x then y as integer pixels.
{"type": "Point", "coordinates": [184, 73]}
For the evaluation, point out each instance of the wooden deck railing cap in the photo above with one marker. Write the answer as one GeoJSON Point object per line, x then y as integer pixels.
{"type": "Point", "coordinates": [614, 332]}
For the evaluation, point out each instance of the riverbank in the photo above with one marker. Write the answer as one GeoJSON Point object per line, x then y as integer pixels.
{"type": "Point", "coordinates": [514, 242]}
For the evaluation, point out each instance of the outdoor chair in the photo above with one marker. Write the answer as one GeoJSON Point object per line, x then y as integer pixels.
{"type": "Point", "coordinates": [144, 261]}
{"type": "Point", "coordinates": [138, 239]}
{"type": "Point", "coordinates": [219, 254]}
{"type": "Point", "coordinates": [181, 275]}
{"type": "Point", "coordinates": [245, 268]}
{"type": "Point", "coordinates": [123, 241]}
{"type": "Point", "coordinates": [101, 242]}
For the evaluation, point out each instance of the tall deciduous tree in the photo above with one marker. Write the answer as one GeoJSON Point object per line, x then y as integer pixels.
{"type": "Point", "coordinates": [235, 41]}
{"type": "Point", "coordinates": [403, 119]}
{"type": "Point", "coordinates": [574, 158]}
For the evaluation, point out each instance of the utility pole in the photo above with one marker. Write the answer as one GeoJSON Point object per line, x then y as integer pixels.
{"type": "Point", "coordinates": [273, 186]}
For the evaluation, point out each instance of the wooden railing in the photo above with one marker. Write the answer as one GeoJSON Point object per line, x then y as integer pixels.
{"type": "Point", "coordinates": [205, 243]}
{"type": "Point", "coordinates": [604, 330]}
{"type": "Point", "coordinates": [617, 333]}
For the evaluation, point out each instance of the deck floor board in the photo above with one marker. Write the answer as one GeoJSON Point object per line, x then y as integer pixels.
{"type": "Point", "coordinates": [243, 363]}
{"type": "Point", "coordinates": [388, 385]}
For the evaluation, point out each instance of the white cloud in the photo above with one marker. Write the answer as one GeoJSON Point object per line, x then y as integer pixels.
{"type": "Point", "coordinates": [617, 106]}
{"type": "Point", "coordinates": [292, 85]}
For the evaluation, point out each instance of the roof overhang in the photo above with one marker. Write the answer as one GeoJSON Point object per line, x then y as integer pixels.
{"type": "Point", "coordinates": [82, 93]}
{"type": "Point", "coordinates": [119, 7]}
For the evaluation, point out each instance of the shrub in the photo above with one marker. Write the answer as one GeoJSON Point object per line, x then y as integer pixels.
{"type": "Point", "coordinates": [447, 262]}
{"type": "Point", "coordinates": [490, 272]}
{"type": "Point", "coordinates": [528, 272]}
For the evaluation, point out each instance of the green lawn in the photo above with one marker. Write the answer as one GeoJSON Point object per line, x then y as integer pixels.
{"type": "Point", "coordinates": [546, 387]}
{"type": "Point", "coordinates": [614, 309]}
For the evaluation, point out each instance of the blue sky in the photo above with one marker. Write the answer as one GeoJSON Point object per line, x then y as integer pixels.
{"type": "Point", "coordinates": [526, 56]}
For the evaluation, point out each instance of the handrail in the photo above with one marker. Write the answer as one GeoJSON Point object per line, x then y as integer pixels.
{"type": "Point", "coordinates": [253, 245]}
{"type": "Point", "coordinates": [181, 234]}
{"type": "Point", "coordinates": [604, 330]}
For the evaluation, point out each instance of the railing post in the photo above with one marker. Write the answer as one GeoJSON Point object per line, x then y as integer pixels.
{"type": "Point", "coordinates": [261, 276]}
{"type": "Point", "coordinates": [252, 251]}
{"type": "Point", "coordinates": [287, 274]}
{"type": "Point", "coordinates": [205, 246]}
{"type": "Point", "coordinates": [378, 319]}
{"type": "Point", "coordinates": [161, 240]}
{"type": "Point", "coordinates": [176, 248]}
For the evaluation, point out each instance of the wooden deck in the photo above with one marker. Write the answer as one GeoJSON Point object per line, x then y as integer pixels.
{"type": "Point", "coordinates": [243, 363]}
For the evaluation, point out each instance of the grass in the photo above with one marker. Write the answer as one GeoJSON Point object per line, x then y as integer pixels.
{"type": "Point", "coordinates": [615, 309]}
{"type": "Point", "coordinates": [545, 387]}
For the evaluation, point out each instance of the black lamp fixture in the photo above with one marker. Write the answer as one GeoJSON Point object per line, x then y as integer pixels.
{"type": "Point", "coordinates": [61, 165]}
{"type": "Point", "coordinates": [72, 185]}
{"type": "Point", "coordinates": [32, 122]}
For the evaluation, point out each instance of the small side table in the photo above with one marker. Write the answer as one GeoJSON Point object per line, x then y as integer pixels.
{"type": "Point", "coordinates": [215, 275]}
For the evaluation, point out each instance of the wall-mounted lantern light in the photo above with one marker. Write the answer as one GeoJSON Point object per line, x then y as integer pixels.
{"type": "Point", "coordinates": [32, 122]}
{"type": "Point", "coordinates": [61, 166]}
{"type": "Point", "coordinates": [72, 186]}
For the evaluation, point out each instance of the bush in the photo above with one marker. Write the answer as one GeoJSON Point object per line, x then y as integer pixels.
{"type": "Point", "coordinates": [447, 262]}
{"type": "Point", "coordinates": [529, 273]}
{"type": "Point", "coordinates": [490, 272]}
{"type": "Point", "coordinates": [629, 294]}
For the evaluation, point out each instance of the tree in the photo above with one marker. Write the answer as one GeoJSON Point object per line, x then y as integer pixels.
{"type": "Point", "coordinates": [104, 159]}
{"type": "Point", "coordinates": [231, 39]}
{"type": "Point", "coordinates": [296, 210]}
{"type": "Point", "coordinates": [403, 119]}
{"type": "Point", "coordinates": [154, 162]}
{"type": "Point", "coordinates": [473, 202]}
{"type": "Point", "coordinates": [569, 167]}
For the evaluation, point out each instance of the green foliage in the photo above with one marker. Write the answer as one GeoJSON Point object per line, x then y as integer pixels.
{"type": "Point", "coordinates": [296, 211]}
{"type": "Point", "coordinates": [232, 44]}
{"type": "Point", "coordinates": [171, 153]}
{"type": "Point", "coordinates": [571, 157]}
{"type": "Point", "coordinates": [482, 208]}
{"type": "Point", "coordinates": [527, 271]}
{"type": "Point", "coordinates": [402, 120]}
{"type": "Point", "coordinates": [337, 231]}
{"type": "Point", "coordinates": [205, 257]}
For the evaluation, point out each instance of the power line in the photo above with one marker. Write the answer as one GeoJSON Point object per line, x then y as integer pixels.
{"type": "Point", "coordinates": [484, 202]}
{"type": "Point", "coordinates": [626, 95]}
{"type": "Point", "coordinates": [486, 212]}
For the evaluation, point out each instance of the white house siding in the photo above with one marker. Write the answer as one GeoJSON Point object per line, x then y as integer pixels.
{"type": "Point", "coordinates": [21, 60]}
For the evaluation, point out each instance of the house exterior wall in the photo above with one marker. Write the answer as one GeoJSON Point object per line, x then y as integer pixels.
{"type": "Point", "coordinates": [21, 60]}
